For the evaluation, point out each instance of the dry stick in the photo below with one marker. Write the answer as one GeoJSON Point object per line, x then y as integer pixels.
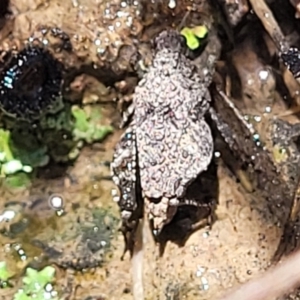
{"type": "Point", "coordinates": [137, 264]}
{"type": "Point", "coordinates": [274, 283]}
{"type": "Point", "coordinates": [289, 55]}
{"type": "Point", "coordinates": [271, 26]}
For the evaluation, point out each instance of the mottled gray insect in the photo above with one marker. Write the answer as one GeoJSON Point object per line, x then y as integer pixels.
{"type": "Point", "coordinates": [168, 144]}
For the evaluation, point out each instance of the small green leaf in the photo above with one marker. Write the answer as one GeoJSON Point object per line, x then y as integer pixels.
{"type": "Point", "coordinates": [12, 167]}
{"type": "Point", "coordinates": [4, 144]}
{"type": "Point", "coordinates": [194, 35]}
{"type": "Point", "coordinates": [81, 122]}
{"type": "Point", "coordinates": [21, 295]}
{"type": "Point", "coordinates": [4, 274]}
{"type": "Point", "coordinates": [47, 273]}
{"type": "Point", "coordinates": [36, 280]}
{"type": "Point", "coordinates": [200, 31]}
{"type": "Point", "coordinates": [191, 39]}
{"type": "Point", "coordinates": [102, 132]}
{"type": "Point", "coordinates": [18, 180]}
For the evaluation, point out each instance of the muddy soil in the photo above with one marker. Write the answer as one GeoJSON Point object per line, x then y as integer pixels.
{"type": "Point", "coordinates": [237, 247]}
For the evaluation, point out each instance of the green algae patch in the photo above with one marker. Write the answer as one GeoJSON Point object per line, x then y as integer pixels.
{"type": "Point", "coordinates": [5, 275]}
{"type": "Point", "coordinates": [87, 124]}
{"type": "Point", "coordinates": [37, 285]}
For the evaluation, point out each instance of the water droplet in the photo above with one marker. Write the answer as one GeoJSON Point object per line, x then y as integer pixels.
{"type": "Point", "coordinates": [268, 109]}
{"type": "Point", "coordinates": [56, 202]}
{"type": "Point", "coordinates": [126, 214]}
{"type": "Point", "coordinates": [256, 137]}
{"type": "Point", "coordinates": [205, 234]}
{"type": "Point", "coordinates": [200, 271]}
{"type": "Point", "coordinates": [282, 151]}
{"type": "Point", "coordinates": [257, 119]}
{"type": "Point", "coordinates": [60, 212]}
{"type": "Point", "coordinates": [7, 215]}
{"type": "Point", "coordinates": [217, 154]}
{"type": "Point", "coordinates": [75, 3]}
{"type": "Point", "coordinates": [172, 4]}
{"type": "Point", "coordinates": [205, 285]}
{"type": "Point", "coordinates": [97, 42]}
{"type": "Point", "coordinates": [111, 28]}
{"type": "Point", "coordinates": [114, 192]}
{"type": "Point", "coordinates": [250, 81]}
{"type": "Point", "coordinates": [101, 50]}
{"type": "Point", "coordinates": [263, 75]}
{"type": "Point", "coordinates": [129, 21]}
{"type": "Point", "coordinates": [54, 294]}
{"type": "Point", "coordinates": [45, 42]}
{"type": "Point", "coordinates": [48, 287]}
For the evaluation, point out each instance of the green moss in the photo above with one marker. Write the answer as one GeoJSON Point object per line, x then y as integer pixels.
{"type": "Point", "coordinates": [19, 180]}
{"type": "Point", "coordinates": [4, 275]}
{"type": "Point", "coordinates": [87, 124]}
{"type": "Point", "coordinates": [58, 136]}
{"type": "Point", "coordinates": [10, 163]}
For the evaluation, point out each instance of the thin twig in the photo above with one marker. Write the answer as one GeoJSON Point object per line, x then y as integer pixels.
{"type": "Point", "coordinates": [137, 264]}
{"type": "Point", "coordinates": [271, 26]}
{"type": "Point", "coordinates": [273, 284]}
